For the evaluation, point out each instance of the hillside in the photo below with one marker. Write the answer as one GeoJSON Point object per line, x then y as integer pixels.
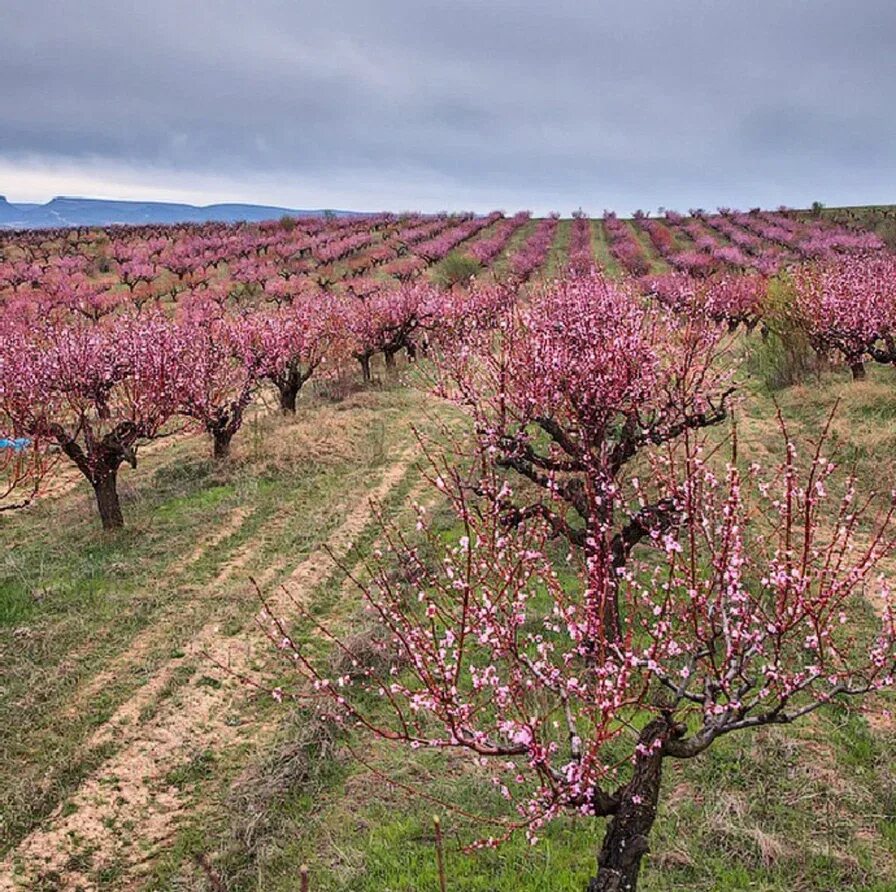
{"type": "Point", "coordinates": [212, 558]}
{"type": "Point", "coordinates": [65, 211]}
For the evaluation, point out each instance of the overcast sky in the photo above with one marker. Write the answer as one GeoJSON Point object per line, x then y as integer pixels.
{"type": "Point", "coordinates": [479, 104]}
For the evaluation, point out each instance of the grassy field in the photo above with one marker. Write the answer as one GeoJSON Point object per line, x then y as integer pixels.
{"type": "Point", "coordinates": [880, 219]}
{"type": "Point", "coordinates": [134, 756]}
{"type": "Point", "coordinates": [811, 807]}
{"type": "Point", "coordinates": [104, 639]}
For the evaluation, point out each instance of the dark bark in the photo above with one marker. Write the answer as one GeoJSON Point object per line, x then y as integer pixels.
{"type": "Point", "coordinates": [288, 397]}
{"type": "Point", "coordinates": [858, 370]}
{"type": "Point", "coordinates": [626, 840]}
{"type": "Point", "coordinates": [611, 619]}
{"type": "Point", "coordinates": [650, 520]}
{"type": "Point", "coordinates": [224, 425]}
{"type": "Point", "coordinates": [105, 489]}
{"type": "Point", "coordinates": [389, 354]}
{"type": "Point", "coordinates": [99, 463]}
{"type": "Point", "coordinates": [221, 438]}
{"type": "Point", "coordinates": [364, 360]}
{"type": "Point", "coordinates": [288, 385]}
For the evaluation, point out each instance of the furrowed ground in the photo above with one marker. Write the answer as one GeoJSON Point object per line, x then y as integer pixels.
{"type": "Point", "coordinates": [118, 654]}
{"type": "Point", "coordinates": [130, 751]}
{"type": "Point", "coordinates": [134, 755]}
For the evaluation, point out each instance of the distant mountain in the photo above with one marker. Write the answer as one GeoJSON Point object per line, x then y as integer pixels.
{"type": "Point", "coordinates": [62, 211]}
{"type": "Point", "coordinates": [9, 213]}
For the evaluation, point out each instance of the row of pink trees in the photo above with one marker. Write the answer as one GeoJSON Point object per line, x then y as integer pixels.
{"type": "Point", "coordinates": [809, 238]}
{"type": "Point", "coordinates": [97, 390]}
{"type": "Point", "coordinates": [87, 384]}
{"type": "Point", "coordinates": [848, 306]}
{"type": "Point", "coordinates": [532, 254]}
{"type": "Point", "coordinates": [624, 245]}
{"type": "Point", "coordinates": [485, 250]}
{"type": "Point", "coordinates": [754, 253]}
{"type": "Point", "coordinates": [581, 246]}
{"type": "Point", "coordinates": [737, 300]}
{"type": "Point", "coordinates": [700, 597]}
{"type": "Point", "coordinates": [659, 234]}
{"type": "Point", "coordinates": [250, 264]}
{"type": "Point", "coordinates": [388, 322]}
{"type": "Point", "coordinates": [438, 247]}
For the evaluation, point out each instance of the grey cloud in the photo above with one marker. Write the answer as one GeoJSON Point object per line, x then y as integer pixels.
{"type": "Point", "coordinates": [616, 103]}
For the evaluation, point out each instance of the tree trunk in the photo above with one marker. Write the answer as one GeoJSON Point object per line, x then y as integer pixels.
{"type": "Point", "coordinates": [390, 359]}
{"type": "Point", "coordinates": [288, 383]}
{"type": "Point", "coordinates": [858, 370]}
{"type": "Point", "coordinates": [105, 489]}
{"type": "Point", "coordinates": [600, 552]}
{"type": "Point", "coordinates": [289, 392]}
{"type": "Point", "coordinates": [221, 439]}
{"type": "Point", "coordinates": [626, 839]}
{"type": "Point", "coordinates": [365, 368]}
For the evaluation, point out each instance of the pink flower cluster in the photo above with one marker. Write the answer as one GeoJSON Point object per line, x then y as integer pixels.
{"type": "Point", "coordinates": [581, 247]}
{"type": "Point", "coordinates": [624, 246]}
{"type": "Point", "coordinates": [534, 251]}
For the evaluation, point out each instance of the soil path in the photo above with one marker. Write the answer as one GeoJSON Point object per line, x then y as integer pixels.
{"type": "Point", "coordinates": [123, 814]}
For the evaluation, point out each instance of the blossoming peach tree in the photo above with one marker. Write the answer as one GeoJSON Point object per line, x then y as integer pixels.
{"type": "Point", "coordinates": [95, 392]}
{"type": "Point", "coordinates": [577, 391]}
{"type": "Point", "coordinates": [735, 618]}
{"type": "Point", "coordinates": [616, 595]}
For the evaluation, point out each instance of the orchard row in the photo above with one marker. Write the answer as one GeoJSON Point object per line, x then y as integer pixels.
{"type": "Point", "coordinates": [695, 596]}
{"type": "Point", "coordinates": [93, 386]}
{"type": "Point", "coordinates": [94, 271]}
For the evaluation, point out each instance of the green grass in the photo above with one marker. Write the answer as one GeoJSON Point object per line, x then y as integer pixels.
{"type": "Point", "coordinates": [802, 809]}
{"type": "Point", "coordinates": [74, 601]}
{"type": "Point", "coordinates": [558, 255]}
{"type": "Point", "coordinates": [602, 250]}
{"type": "Point", "coordinates": [757, 811]}
{"type": "Point", "coordinates": [807, 808]}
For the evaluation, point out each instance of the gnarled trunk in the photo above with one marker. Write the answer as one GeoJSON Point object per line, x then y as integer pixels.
{"type": "Point", "coordinates": [105, 488]}
{"type": "Point", "coordinates": [288, 397]}
{"type": "Point", "coordinates": [626, 840]}
{"type": "Point", "coordinates": [224, 425]}
{"type": "Point", "coordinates": [221, 438]}
{"type": "Point", "coordinates": [364, 360]}
{"type": "Point", "coordinates": [100, 466]}
{"type": "Point", "coordinates": [288, 386]}
{"type": "Point", "coordinates": [858, 370]}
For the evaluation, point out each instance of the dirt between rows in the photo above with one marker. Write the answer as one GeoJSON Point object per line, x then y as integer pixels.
{"type": "Point", "coordinates": [123, 814]}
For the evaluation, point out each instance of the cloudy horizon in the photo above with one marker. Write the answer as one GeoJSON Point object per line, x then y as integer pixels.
{"type": "Point", "coordinates": [431, 106]}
